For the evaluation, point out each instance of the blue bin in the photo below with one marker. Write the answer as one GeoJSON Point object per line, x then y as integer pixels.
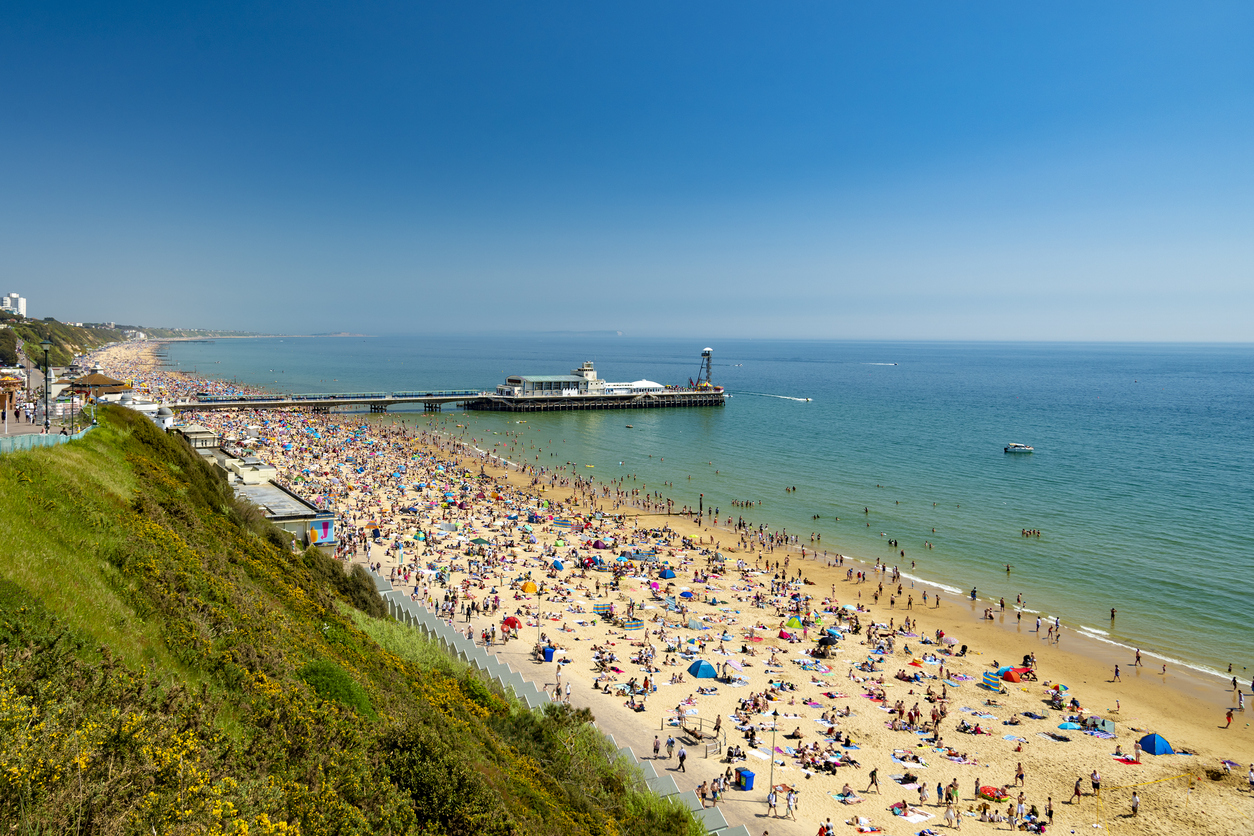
{"type": "Point", "coordinates": [548, 654]}
{"type": "Point", "coordinates": [744, 778]}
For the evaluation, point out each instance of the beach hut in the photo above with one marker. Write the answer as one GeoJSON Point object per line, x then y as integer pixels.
{"type": "Point", "coordinates": [702, 669]}
{"type": "Point", "coordinates": [1154, 744]}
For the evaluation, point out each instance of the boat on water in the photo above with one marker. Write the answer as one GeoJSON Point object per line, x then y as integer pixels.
{"type": "Point", "coordinates": [1019, 448]}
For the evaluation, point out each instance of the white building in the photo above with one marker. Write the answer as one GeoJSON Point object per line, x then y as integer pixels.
{"type": "Point", "coordinates": [13, 304]}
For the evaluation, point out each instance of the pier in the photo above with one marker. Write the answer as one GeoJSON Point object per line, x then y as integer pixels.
{"type": "Point", "coordinates": [581, 389]}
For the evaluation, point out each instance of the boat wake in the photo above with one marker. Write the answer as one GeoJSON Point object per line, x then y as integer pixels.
{"type": "Point", "coordinates": [781, 397]}
{"type": "Point", "coordinates": [879, 364]}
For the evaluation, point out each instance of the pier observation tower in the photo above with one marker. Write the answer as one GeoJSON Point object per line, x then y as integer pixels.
{"type": "Point", "coordinates": [703, 376]}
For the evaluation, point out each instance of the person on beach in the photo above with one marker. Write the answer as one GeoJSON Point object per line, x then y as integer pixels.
{"type": "Point", "coordinates": [1116, 679]}
{"type": "Point", "coordinates": [1229, 723]}
{"type": "Point", "coordinates": [683, 756]}
{"type": "Point", "coordinates": [670, 747]}
{"type": "Point", "coordinates": [875, 780]}
{"type": "Point", "coordinates": [1077, 792]}
{"type": "Point", "coordinates": [770, 803]}
{"type": "Point", "coordinates": [1136, 803]}
{"type": "Point", "coordinates": [1096, 780]}
{"type": "Point", "coordinates": [657, 746]}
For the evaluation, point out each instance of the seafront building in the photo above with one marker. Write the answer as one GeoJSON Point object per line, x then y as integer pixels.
{"type": "Point", "coordinates": [14, 304]}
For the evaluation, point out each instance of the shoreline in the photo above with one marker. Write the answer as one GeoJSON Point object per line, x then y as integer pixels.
{"type": "Point", "coordinates": [1190, 679]}
{"type": "Point", "coordinates": [1147, 704]}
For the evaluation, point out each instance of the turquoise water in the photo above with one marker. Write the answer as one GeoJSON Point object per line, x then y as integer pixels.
{"type": "Point", "coordinates": [1140, 484]}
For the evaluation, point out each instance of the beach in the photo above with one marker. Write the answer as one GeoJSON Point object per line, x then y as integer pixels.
{"type": "Point", "coordinates": [367, 469]}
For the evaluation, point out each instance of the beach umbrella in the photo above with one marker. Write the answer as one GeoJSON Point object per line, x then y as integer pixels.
{"type": "Point", "coordinates": [850, 607]}
{"type": "Point", "coordinates": [702, 669]}
{"type": "Point", "coordinates": [736, 666]}
{"type": "Point", "coordinates": [827, 641]}
{"type": "Point", "coordinates": [949, 640]}
{"type": "Point", "coordinates": [685, 595]}
{"type": "Point", "coordinates": [529, 587]}
{"type": "Point", "coordinates": [1070, 726]}
{"type": "Point", "coordinates": [1153, 744]}
{"type": "Point", "coordinates": [557, 564]}
{"type": "Point", "coordinates": [479, 541]}
{"type": "Point", "coordinates": [511, 623]}
{"type": "Point", "coordinates": [667, 573]}
{"type": "Point", "coordinates": [654, 585]}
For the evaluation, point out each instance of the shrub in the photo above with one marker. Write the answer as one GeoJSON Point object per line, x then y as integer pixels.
{"type": "Point", "coordinates": [331, 682]}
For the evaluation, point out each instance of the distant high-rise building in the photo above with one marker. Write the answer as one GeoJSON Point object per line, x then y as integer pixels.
{"type": "Point", "coordinates": [13, 304]}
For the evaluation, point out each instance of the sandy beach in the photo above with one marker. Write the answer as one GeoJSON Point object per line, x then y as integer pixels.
{"type": "Point", "coordinates": [889, 667]}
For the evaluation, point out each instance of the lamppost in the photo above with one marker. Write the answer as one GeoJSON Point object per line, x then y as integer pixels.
{"type": "Point", "coordinates": [774, 728]}
{"type": "Point", "coordinates": [45, 344]}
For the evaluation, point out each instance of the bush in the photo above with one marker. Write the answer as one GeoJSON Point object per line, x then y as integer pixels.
{"type": "Point", "coordinates": [331, 682]}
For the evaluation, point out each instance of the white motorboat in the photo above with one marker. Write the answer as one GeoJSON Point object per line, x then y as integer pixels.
{"type": "Point", "coordinates": [1019, 448]}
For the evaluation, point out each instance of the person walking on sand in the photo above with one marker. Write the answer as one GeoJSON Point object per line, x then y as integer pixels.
{"type": "Point", "coordinates": [1116, 679]}
{"type": "Point", "coordinates": [875, 780]}
{"type": "Point", "coordinates": [1229, 723]}
{"type": "Point", "coordinates": [1077, 792]}
{"type": "Point", "coordinates": [791, 801]}
{"type": "Point", "coordinates": [1020, 775]}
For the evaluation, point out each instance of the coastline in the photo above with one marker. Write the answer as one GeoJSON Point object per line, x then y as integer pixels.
{"type": "Point", "coordinates": [1149, 702]}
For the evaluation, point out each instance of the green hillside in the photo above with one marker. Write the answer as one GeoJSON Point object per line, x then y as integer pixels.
{"type": "Point", "coordinates": [168, 667]}
{"type": "Point", "coordinates": [67, 340]}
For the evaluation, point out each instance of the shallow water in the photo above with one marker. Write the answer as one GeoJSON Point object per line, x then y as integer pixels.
{"type": "Point", "coordinates": [1140, 483]}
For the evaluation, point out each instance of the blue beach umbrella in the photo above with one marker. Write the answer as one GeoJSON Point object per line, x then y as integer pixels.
{"type": "Point", "coordinates": [1070, 726]}
{"type": "Point", "coordinates": [685, 594]}
{"type": "Point", "coordinates": [557, 564]}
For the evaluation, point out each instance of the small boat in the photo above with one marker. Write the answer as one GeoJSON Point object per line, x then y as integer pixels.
{"type": "Point", "coordinates": [629, 426]}
{"type": "Point", "coordinates": [1019, 448]}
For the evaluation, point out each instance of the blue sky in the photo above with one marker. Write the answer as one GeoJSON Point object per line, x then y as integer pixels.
{"type": "Point", "coordinates": [849, 170]}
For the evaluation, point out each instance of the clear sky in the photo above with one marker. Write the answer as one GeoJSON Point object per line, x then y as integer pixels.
{"type": "Point", "coordinates": [952, 170]}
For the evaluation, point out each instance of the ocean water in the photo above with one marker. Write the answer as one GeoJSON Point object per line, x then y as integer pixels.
{"type": "Point", "coordinates": [1140, 483]}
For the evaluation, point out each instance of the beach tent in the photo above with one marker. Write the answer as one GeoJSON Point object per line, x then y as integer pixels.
{"type": "Point", "coordinates": [783, 634]}
{"type": "Point", "coordinates": [794, 623]}
{"type": "Point", "coordinates": [991, 681]}
{"type": "Point", "coordinates": [529, 587]}
{"type": "Point", "coordinates": [702, 669]}
{"type": "Point", "coordinates": [1154, 744]}
{"type": "Point", "coordinates": [1011, 676]}
{"type": "Point", "coordinates": [667, 573]}
{"type": "Point", "coordinates": [557, 564]}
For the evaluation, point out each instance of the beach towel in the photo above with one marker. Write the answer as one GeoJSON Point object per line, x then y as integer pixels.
{"type": "Point", "coordinates": [846, 799]}
{"type": "Point", "coordinates": [920, 765]}
{"type": "Point", "coordinates": [1125, 760]}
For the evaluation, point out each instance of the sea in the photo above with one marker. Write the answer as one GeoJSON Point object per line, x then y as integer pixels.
{"type": "Point", "coordinates": [1139, 486]}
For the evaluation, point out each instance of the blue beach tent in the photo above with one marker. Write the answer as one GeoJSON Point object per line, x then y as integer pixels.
{"type": "Point", "coordinates": [667, 573]}
{"type": "Point", "coordinates": [557, 564]}
{"type": "Point", "coordinates": [702, 669]}
{"type": "Point", "coordinates": [1154, 744]}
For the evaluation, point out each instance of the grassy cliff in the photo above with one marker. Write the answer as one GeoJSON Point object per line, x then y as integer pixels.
{"type": "Point", "coordinates": [67, 340]}
{"type": "Point", "coordinates": [166, 666]}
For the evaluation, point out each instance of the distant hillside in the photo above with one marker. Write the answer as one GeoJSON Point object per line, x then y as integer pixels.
{"type": "Point", "coordinates": [67, 340]}
{"type": "Point", "coordinates": [169, 666]}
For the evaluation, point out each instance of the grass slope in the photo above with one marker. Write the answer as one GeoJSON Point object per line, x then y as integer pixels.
{"type": "Point", "coordinates": [167, 667]}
